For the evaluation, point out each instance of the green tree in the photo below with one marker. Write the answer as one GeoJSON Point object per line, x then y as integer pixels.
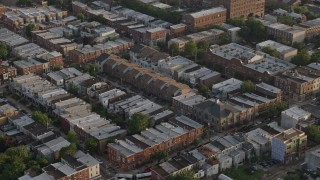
{"type": "Point", "coordinates": [25, 2]}
{"type": "Point", "coordinates": [315, 57]}
{"type": "Point", "coordinates": [238, 21]}
{"type": "Point", "coordinates": [160, 155]}
{"type": "Point", "coordinates": [247, 86]}
{"type": "Point", "coordinates": [184, 175]}
{"type": "Point", "coordinates": [299, 45]}
{"type": "Point", "coordinates": [3, 50]}
{"type": "Point", "coordinates": [70, 150]}
{"type": "Point", "coordinates": [313, 133]}
{"type": "Point", "coordinates": [91, 145]}
{"type": "Point", "coordinates": [287, 20]}
{"type": "Point", "coordinates": [41, 118]}
{"type": "Point", "coordinates": [190, 49]}
{"type": "Point", "coordinates": [270, 51]}
{"type": "Point", "coordinates": [139, 122]}
{"type": "Point", "coordinates": [29, 28]}
{"type": "Point", "coordinates": [72, 137]}
{"type": "Point", "coordinates": [174, 49]}
{"type": "Point", "coordinates": [274, 110]}
{"type": "Point", "coordinates": [73, 88]}
{"type": "Point", "coordinates": [225, 38]}
{"type": "Point", "coordinates": [302, 58]}
{"type": "Point", "coordinates": [203, 90]}
{"type": "Point", "coordinates": [81, 17]}
{"type": "Point", "coordinates": [202, 47]}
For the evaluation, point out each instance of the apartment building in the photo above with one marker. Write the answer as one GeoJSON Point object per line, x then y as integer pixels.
{"type": "Point", "coordinates": [211, 36]}
{"type": "Point", "coordinates": [251, 64]}
{"type": "Point", "coordinates": [78, 7]}
{"type": "Point", "coordinates": [289, 145]}
{"type": "Point", "coordinates": [283, 51]}
{"type": "Point", "coordinates": [143, 79]}
{"type": "Point", "coordinates": [294, 117]}
{"type": "Point", "coordinates": [285, 33]}
{"type": "Point", "coordinates": [242, 8]}
{"type": "Point", "coordinates": [178, 29]}
{"type": "Point", "coordinates": [312, 28]}
{"type": "Point", "coordinates": [295, 85]}
{"type": "Point", "coordinates": [184, 103]}
{"type": "Point", "coordinates": [137, 149]}
{"type": "Point", "coordinates": [58, 77]}
{"type": "Point", "coordinates": [110, 96]}
{"type": "Point", "coordinates": [90, 53]}
{"type": "Point", "coordinates": [205, 18]}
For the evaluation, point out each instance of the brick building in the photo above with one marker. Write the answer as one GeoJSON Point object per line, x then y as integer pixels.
{"type": "Point", "coordinates": [312, 28]}
{"type": "Point", "coordinates": [78, 7]}
{"type": "Point", "coordinates": [242, 8]}
{"type": "Point", "coordinates": [90, 53]}
{"type": "Point", "coordinates": [138, 149]}
{"type": "Point", "coordinates": [205, 18]}
{"type": "Point", "coordinates": [6, 73]}
{"type": "Point", "coordinates": [153, 36]}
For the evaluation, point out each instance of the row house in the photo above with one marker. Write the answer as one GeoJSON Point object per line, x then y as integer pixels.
{"type": "Point", "coordinates": [143, 79]}
{"type": "Point", "coordinates": [250, 64]}
{"type": "Point", "coordinates": [208, 160]}
{"type": "Point", "coordinates": [136, 150]}
{"type": "Point", "coordinates": [90, 53]}
{"type": "Point", "coordinates": [211, 36]}
{"type": "Point", "coordinates": [11, 39]}
{"type": "Point", "coordinates": [184, 103]}
{"type": "Point", "coordinates": [7, 72]}
{"type": "Point", "coordinates": [286, 33]}
{"type": "Point", "coordinates": [312, 28]}
{"type": "Point", "coordinates": [31, 66]}
{"type": "Point", "coordinates": [17, 17]}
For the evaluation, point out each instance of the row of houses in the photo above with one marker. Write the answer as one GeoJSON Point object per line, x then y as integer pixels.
{"type": "Point", "coordinates": [73, 113]}
{"type": "Point", "coordinates": [223, 153]}
{"type": "Point", "coordinates": [178, 67]}
{"type": "Point", "coordinates": [141, 78]}
{"type": "Point", "coordinates": [15, 18]}
{"type": "Point", "coordinates": [138, 149]}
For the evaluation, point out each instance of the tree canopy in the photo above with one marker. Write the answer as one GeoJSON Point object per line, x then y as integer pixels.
{"type": "Point", "coordinates": [287, 20]}
{"type": "Point", "coordinates": [190, 49]}
{"type": "Point", "coordinates": [270, 51]}
{"type": "Point", "coordinates": [247, 86]}
{"type": "Point", "coordinates": [302, 58]}
{"type": "Point", "coordinates": [138, 123]}
{"type": "Point", "coordinates": [14, 161]}
{"type": "Point", "coordinates": [224, 38]}
{"type": "Point", "coordinates": [72, 137]}
{"type": "Point", "coordinates": [203, 90]}
{"type": "Point", "coordinates": [70, 150]}
{"type": "Point", "coordinates": [30, 27]}
{"type": "Point", "coordinates": [41, 118]}
{"type": "Point", "coordinates": [313, 133]}
{"type": "Point", "coordinates": [3, 50]}
{"type": "Point", "coordinates": [174, 49]}
{"type": "Point", "coordinates": [184, 175]}
{"type": "Point", "coordinates": [91, 144]}
{"type": "Point", "coordinates": [160, 155]}
{"type": "Point", "coordinates": [274, 110]}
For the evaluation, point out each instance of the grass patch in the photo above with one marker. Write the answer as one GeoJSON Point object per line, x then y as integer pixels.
{"type": "Point", "coordinates": [240, 173]}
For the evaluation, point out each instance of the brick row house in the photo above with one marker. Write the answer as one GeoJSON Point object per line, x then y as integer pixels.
{"type": "Point", "coordinates": [138, 149]}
